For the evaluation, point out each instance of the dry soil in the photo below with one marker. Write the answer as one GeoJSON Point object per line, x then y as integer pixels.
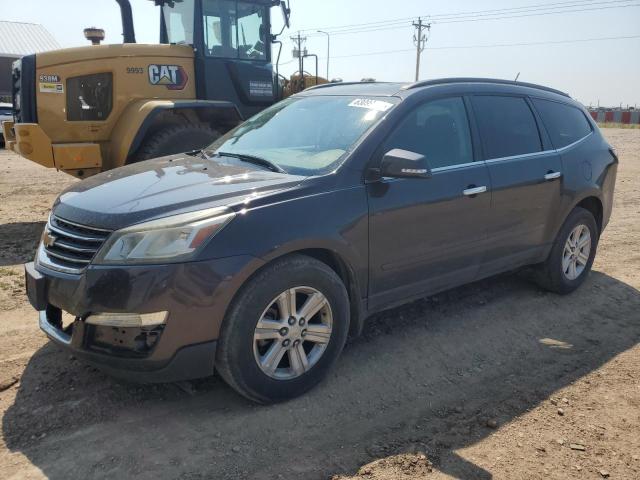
{"type": "Point", "coordinates": [493, 380]}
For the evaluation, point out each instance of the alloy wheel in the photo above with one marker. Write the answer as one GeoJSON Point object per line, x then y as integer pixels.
{"type": "Point", "coordinates": [292, 333]}
{"type": "Point", "coordinates": [575, 255]}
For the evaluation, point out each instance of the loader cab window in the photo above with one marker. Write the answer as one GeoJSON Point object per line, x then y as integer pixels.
{"type": "Point", "coordinates": [178, 20]}
{"type": "Point", "coordinates": [235, 29]}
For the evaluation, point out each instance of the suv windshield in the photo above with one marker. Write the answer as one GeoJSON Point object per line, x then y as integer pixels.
{"type": "Point", "coordinates": [305, 136]}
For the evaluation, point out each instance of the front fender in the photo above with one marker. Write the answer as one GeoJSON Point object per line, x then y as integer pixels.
{"type": "Point", "coordinates": [138, 118]}
{"type": "Point", "coordinates": [346, 260]}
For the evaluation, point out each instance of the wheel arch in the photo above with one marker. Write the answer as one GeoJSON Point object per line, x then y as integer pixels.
{"type": "Point", "coordinates": [339, 265]}
{"type": "Point", "coordinates": [589, 199]}
{"type": "Point", "coordinates": [594, 205]}
{"type": "Point", "coordinates": [143, 118]}
{"type": "Point", "coordinates": [334, 260]}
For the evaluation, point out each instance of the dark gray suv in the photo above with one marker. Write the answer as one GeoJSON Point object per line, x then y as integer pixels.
{"type": "Point", "coordinates": [260, 254]}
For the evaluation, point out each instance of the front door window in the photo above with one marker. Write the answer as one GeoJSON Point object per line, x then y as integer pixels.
{"type": "Point", "coordinates": [439, 130]}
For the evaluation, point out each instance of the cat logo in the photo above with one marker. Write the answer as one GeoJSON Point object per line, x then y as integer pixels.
{"type": "Point", "coordinates": [171, 76]}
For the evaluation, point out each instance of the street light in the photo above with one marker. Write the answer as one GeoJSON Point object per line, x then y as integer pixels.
{"type": "Point", "coordinates": [328, 50]}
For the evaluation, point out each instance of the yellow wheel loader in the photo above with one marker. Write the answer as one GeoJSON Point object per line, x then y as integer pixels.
{"type": "Point", "coordinates": [90, 109]}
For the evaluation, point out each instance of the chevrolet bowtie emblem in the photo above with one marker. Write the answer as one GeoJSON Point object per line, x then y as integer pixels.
{"type": "Point", "coordinates": [48, 240]}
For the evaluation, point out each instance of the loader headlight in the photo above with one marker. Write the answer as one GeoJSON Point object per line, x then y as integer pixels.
{"type": "Point", "coordinates": [168, 239]}
{"type": "Point", "coordinates": [89, 97]}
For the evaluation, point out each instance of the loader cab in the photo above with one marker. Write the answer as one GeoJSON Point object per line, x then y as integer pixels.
{"type": "Point", "coordinates": [232, 48]}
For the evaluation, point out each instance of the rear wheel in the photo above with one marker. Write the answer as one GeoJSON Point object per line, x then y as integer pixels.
{"type": "Point", "coordinates": [572, 253]}
{"type": "Point", "coordinates": [177, 139]}
{"type": "Point", "coordinates": [284, 331]}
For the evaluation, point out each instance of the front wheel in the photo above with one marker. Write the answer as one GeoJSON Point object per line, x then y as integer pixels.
{"type": "Point", "coordinates": [572, 253]}
{"type": "Point", "coordinates": [284, 331]}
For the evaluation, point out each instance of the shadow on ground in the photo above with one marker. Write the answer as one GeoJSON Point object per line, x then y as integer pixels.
{"type": "Point", "coordinates": [425, 376]}
{"type": "Point", "coordinates": [18, 242]}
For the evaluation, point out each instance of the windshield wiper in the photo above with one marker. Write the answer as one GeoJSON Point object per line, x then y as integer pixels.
{"type": "Point", "coordinates": [263, 162]}
{"type": "Point", "coordinates": [200, 153]}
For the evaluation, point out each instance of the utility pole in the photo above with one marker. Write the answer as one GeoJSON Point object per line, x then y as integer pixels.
{"type": "Point", "coordinates": [299, 51]}
{"type": "Point", "coordinates": [420, 40]}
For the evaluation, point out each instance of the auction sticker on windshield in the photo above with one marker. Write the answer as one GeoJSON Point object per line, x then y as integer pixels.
{"type": "Point", "coordinates": [371, 104]}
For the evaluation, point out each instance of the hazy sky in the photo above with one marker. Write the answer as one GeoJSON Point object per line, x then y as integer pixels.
{"type": "Point", "coordinates": [607, 70]}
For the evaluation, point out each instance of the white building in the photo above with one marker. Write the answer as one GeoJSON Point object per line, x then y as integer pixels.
{"type": "Point", "coordinates": [16, 40]}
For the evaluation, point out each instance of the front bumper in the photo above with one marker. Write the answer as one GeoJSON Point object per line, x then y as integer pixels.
{"type": "Point", "coordinates": [195, 294]}
{"type": "Point", "coordinates": [8, 137]}
{"type": "Point", "coordinates": [32, 143]}
{"type": "Point", "coordinates": [193, 361]}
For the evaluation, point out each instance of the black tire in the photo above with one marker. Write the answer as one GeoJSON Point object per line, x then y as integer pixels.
{"type": "Point", "coordinates": [550, 274]}
{"type": "Point", "coordinates": [176, 139]}
{"type": "Point", "coordinates": [235, 360]}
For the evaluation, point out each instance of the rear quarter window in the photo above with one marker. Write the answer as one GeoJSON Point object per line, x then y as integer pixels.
{"type": "Point", "coordinates": [565, 124]}
{"type": "Point", "coordinates": [507, 126]}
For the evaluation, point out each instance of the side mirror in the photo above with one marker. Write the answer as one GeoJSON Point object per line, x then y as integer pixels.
{"type": "Point", "coordinates": [399, 163]}
{"type": "Point", "coordinates": [286, 13]}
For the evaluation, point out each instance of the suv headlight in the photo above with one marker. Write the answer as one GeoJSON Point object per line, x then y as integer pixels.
{"type": "Point", "coordinates": [167, 239]}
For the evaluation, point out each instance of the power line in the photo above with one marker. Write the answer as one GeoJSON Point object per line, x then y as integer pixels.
{"type": "Point", "coordinates": [541, 13]}
{"type": "Point", "coordinates": [494, 45]}
{"type": "Point", "coordinates": [535, 6]}
{"type": "Point", "coordinates": [479, 19]}
{"type": "Point", "coordinates": [476, 13]}
{"type": "Point", "coordinates": [397, 24]}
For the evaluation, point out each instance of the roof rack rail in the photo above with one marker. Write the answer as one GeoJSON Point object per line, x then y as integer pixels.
{"type": "Point", "coordinates": [335, 84]}
{"type": "Point", "coordinates": [441, 81]}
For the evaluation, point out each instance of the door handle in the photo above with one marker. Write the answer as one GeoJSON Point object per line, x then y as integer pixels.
{"type": "Point", "coordinates": [471, 191]}
{"type": "Point", "coordinates": [552, 175]}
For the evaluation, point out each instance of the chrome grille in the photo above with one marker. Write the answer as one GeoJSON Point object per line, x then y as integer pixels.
{"type": "Point", "coordinates": [70, 247]}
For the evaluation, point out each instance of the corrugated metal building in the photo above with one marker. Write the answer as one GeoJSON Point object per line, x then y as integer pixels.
{"type": "Point", "coordinates": [16, 40]}
{"type": "Point", "coordinates": [604, 115]}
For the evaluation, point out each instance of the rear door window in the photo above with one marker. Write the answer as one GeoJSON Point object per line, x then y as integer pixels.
{"type": "Point", "coordinates": [565, 124]}
{"type": "Point", "coordinates": [439, 130]}
{"type": "Point", "coordinates": [507, 126]}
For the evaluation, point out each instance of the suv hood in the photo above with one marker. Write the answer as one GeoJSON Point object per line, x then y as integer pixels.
{"type": "Point", "coordinates": [166, 186]}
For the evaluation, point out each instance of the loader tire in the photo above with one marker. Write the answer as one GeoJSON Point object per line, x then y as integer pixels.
{"type": "Point", "coordinates": [176, 139]}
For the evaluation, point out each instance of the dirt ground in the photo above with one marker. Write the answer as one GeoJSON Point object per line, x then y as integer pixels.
{"type": "Point", "coordinates": [493, 380]}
